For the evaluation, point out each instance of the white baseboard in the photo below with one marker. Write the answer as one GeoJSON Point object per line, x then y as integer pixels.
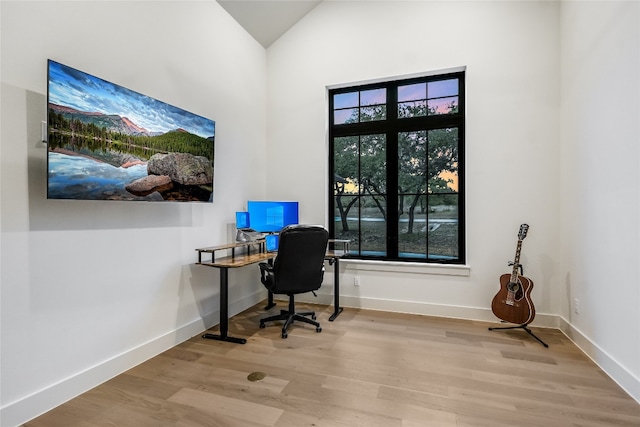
{"type": "Point", "coordinates": [426, 309]}
{"type": "Point", "coordinates": [20, 411]}
{"type": "Point", "coordinates": [618, 373]}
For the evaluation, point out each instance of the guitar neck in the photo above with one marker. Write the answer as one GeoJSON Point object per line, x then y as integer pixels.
{"type": "Point", "coordinates": [516, 263]}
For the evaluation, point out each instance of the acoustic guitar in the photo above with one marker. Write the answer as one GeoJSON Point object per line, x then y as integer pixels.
{"type": "Point", "coordinates": [513, 302]}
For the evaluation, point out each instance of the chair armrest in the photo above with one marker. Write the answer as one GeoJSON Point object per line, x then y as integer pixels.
{"type": "Point", "coordinates": [266, 267]}
{"type": "Point", "coordinates": [265, 270]}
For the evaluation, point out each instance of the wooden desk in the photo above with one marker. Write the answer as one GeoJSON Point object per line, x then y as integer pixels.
{"type": "Point", "coordinates": [224, 263]}
{"type": "Point", "coordinates": [253, 253]}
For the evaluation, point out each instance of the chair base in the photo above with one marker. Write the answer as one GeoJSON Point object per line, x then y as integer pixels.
{"type": "Point", "coordinates": [289, 316]}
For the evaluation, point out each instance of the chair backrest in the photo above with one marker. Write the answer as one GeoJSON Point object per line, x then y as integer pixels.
{"type": "Point", "coordinates": [299, 265]}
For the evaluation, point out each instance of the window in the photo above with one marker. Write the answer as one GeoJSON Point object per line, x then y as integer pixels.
{"type": "Point", "coordinates": [396, 168]}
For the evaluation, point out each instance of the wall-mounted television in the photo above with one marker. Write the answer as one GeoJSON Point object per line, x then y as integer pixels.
{"type": "Point", "coordinates": [271, 216]}
{"type": "Point", "coordinates": [107, 142]}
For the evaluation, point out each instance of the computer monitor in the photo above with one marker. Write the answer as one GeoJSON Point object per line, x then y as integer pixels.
{"type": "Point", "coordinates": [242, 220]}
{"type": "Point", "coordinates": [271, 216]}
{"type": "Point", "coordinates": [271, 242]}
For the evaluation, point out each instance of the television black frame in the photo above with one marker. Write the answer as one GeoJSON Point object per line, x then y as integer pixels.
{"type": "Point", "coordinates": [126, 95]}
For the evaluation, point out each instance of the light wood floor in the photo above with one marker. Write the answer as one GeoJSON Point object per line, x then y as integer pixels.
{"type": "Point", "coordinates": [368, 368]}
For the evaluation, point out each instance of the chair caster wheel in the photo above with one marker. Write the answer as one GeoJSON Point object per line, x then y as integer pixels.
{"type": "Point", "coordinates": [261, 325]}
{"type": "Point", "coordinates": [318, 329]}
{"type": "Point", "coordinates": [284, 335]}
{"type": "Point", "coordinates": [313, 317]}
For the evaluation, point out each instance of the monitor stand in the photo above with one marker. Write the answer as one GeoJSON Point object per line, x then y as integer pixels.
{"type": "Point", "coordinates": [248, 235]}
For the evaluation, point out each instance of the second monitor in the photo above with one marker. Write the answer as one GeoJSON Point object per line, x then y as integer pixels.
{"type": "Point", "coordinates": [271, 216]}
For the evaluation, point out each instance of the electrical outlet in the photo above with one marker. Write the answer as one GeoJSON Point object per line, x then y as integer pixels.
{"type": "Point", "coordinates": [576, 306]}
{"type": "Point", "coordinates": [356, 280]}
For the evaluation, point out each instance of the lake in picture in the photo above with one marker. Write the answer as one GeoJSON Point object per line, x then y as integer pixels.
{"type": "Point", "coordinates": [106, 142]}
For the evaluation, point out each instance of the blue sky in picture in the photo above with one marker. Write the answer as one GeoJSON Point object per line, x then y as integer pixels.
{"type": "Point", "coordinates": [73, 88]}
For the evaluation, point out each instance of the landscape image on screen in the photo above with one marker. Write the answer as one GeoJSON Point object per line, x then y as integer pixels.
{"type": "Point", "coordinates": [106, 142]}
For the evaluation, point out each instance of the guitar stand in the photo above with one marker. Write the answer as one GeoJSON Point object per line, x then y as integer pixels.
{"type": "Point", "coordinates": [516, 265]}
{"type": "Point", "coordinates": [522, 327]}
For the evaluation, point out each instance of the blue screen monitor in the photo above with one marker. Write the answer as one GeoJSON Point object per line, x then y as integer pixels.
{"type": "Point", "coordinates": [272, 241]}
{"type": "Point", "coordinates": [271, 216]}
{"type": "Point", "coordinates": [242, 219]}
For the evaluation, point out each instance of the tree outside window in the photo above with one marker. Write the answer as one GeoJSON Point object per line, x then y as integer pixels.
{"type": "Point", "coordinates": [396, 168]}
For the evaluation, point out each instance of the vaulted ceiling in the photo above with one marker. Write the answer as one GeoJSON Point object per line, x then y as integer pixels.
{"type": "Point", "coordinates": [267, 20]}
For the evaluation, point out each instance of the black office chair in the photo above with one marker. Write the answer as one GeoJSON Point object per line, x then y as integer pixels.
{"type": "Point", "coordinates": [298, 268]}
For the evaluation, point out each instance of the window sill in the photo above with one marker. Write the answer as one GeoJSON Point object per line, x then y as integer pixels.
{"type": "Point", "coordinates": [408, 267]}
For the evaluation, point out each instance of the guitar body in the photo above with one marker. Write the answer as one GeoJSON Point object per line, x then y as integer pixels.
{"type": "Point", "coordinates": [513, 302]}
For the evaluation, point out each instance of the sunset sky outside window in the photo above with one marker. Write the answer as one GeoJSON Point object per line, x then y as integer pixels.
{"type": "Point", "coordinates": [438, 96]}
{"type": "Point", "coordinates": [396, 143]}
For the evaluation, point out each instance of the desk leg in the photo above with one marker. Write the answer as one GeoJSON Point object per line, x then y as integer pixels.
{"type": "Point", "coordinates": [224, 312]}
{"type": "Point", "coordinates": [336, 290]}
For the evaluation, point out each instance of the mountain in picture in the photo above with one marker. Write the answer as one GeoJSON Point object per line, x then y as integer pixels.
{"type": "Point", "coordinates": [107, 142]}
{"type": "Point", "coordinates": [111, 122]}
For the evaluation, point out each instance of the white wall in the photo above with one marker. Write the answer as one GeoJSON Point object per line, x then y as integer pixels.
{"type": "Point", "coordinates": [601, 184]}
{"type": "Point", "coordinates": [512, 51]}
{"type": "Point", "coordinates": [126, 269]}
{"type": "Point", "coordinates": [90, 289]}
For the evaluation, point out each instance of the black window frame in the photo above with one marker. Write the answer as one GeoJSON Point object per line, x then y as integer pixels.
{"type": "Point", "coordinates": [391, 126]}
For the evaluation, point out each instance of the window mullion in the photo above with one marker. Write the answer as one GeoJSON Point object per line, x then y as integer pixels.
{"type": "Point", "coordinates": [392, 172]}
{"type": "Point", "coordinates": [410, 111]}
